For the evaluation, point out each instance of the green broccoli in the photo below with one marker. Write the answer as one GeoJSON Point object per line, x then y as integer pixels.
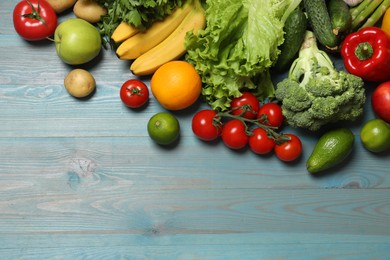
{"type": "Point", "coordinates": [315, 93]}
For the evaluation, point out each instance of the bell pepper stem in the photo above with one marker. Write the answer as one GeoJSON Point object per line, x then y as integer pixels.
{"type": "Point", "coordinates": [364, 51]}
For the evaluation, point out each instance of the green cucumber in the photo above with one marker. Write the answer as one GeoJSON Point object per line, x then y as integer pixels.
{"type": "Point", "coordinates": [294, 32]}
{"type": "Point", "coordinates": [319, 19]}
{"type": "Point", "coordinates": [340, 16]}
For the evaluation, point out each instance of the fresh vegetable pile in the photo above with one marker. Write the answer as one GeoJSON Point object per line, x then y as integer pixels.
{"type": "Point", "coordinates": [238, 47]}
{"type": "Point", "coordinates": [315, 93]}
{"type": "Point", "coordinates": [226, 53]}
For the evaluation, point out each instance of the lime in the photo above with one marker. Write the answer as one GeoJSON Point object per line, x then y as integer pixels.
{"type": "Point", "coordinates": [163, 128]}
{"type": "Point", "coordinates": [332, 148]}
{"type": "Point", "coordinates": [375, 135]}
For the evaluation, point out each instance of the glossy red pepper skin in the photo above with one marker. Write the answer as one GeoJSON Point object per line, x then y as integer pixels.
{"type": "Point", "coordinates": [374, 45]}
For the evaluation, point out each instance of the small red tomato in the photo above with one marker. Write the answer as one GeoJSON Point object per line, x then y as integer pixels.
{"type": "Point", "coordinates": [34, 19]}
{"type": "Point", "coordinates": [234, 134]}
{"type": "Point", "coordinates": [380, 101]}
{"type": "Point", "coordinates": [289, 150]}
{"type": "Point", "coordinates": [134, 93]}
{"type": "Point", "coordinates": [206, 126]}
{"type": "Point", "coordinates": [273, 114]}
{"type": "Point", "coordinates": [259, 142]}
{"type": "Point", "coordinates": [246, 102]}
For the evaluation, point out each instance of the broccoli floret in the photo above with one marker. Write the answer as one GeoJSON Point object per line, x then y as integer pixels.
{"type": "Point", "coordinates": [315, 93]}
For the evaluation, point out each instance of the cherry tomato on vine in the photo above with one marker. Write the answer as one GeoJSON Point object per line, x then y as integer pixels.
{"type": "Point", "coordinates": [248, 100]}
{"type": "Point", "coordinates": [259, 142]}
{"type": "Point", "coordinates": [34, 19]}
{"type": "Point", "coordinates": [134, 93]}
{"type": "Point", "coordinates": [234, 135]}
{"type": "Point", "coordinates": [289, 150]}
{"type": "Point", "coordinates": [273, 113]}
{"type": "Point", "coordinates": [206, 126]}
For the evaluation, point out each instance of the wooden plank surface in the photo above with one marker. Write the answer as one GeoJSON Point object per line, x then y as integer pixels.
{"type": "Point", "coordinates": [81, 179]}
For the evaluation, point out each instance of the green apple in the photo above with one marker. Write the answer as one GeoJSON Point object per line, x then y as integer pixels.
{"type": "Point", "coordinates": [77, 41]}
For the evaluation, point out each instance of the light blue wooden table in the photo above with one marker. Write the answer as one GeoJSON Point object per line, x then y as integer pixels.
{"type": "Point", "coordinates": [80, 179]}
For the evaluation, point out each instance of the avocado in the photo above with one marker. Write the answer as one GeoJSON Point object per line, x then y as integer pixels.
{"type": "Point", "coordinates": [332, 148]}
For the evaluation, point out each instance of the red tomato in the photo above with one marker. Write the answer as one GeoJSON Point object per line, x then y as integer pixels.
{"type": "Point", "coordinates": [289, 150]}
{"type": "Point", "coordinates": [234, 135]}
{"type": "Point", "coordinates": [259, 142]}
{"type": "Point", "coordinates": [134, 93]}
{"type": "Point", "coordinates": [246, 102]}
{"type": "Point", "coordinates": [34, 19]}
{"type": "Point", "coordinates": [273, 114]}
{"type": "Point", "coordinates": [206, 126]}
{"type": "Point", "coordinates": [380, 101]}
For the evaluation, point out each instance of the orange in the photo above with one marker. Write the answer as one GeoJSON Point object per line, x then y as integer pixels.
{"type": "Point", "coordinates": [176, 85]}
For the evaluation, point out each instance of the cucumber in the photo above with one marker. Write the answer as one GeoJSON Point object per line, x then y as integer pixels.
{"type": "Point", "coordinates": [340, 16]}
{"type": "Point", "coordinates": [319, 19]}
{"type": "Point", "coordinates": [294, 32]}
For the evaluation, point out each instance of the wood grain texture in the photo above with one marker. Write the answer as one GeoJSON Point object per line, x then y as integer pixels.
{"type": "Point", "coordinates": [81, 179]}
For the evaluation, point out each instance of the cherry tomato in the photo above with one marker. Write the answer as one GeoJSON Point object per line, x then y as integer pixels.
{"type": "Point", "coordinates": [206, 126]}
{"type": "Point", "coordinates": [289, 150]}
{"type": "Point", "coordinates": [234, 135]}
{"type": "Point", "coordinates": [380, 101]}
{"type": "Point", "coordinates": [259, 142]}
{"type": "Point", "coordinates": [273, 114]}
{"type": "Point", "coordinates": [134, 93]}
{"type": "Point", "coordinates": [247, 100]}
{"type": "Point", "coordinates": [34, 19]}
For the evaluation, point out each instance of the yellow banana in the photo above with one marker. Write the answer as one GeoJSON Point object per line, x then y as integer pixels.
{"type": "Point", "coordinates": [171, 48]}
{"type": "Point", "coordinates": [123, 31]}
{"type": "Point", "coordinates": [142, 42]}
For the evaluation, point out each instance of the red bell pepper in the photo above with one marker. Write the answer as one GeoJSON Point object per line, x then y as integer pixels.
{"type": "Point", "coordinates": [366, 53]}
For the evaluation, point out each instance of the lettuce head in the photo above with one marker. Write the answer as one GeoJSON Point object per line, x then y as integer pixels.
{"type": "Point", "coordinates": [237, 48]}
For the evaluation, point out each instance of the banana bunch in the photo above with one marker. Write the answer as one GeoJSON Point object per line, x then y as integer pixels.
{"type": "Point", "coordinates": [160, 43]}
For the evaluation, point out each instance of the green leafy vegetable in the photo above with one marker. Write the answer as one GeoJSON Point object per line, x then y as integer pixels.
{"type": "Point", "coordinates": [237, 47]}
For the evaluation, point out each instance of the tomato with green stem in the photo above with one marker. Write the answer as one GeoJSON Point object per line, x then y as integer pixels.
{"type": "Point", "coordinates": [260, 142]}
{"type": "Point", "coordinates": [234, 134]}
{"type": "Point", "coordinates": [34, 20]}
{"type": "Point", "coordinates": [245, 105]}
{"type": "Point", "coordinates": [271, 114]}
{"type": "Point", "coordinates": [134, 93]}
{"type": "Point", "coordinates": [206, 125]}
{"type": "Point", "coordinates": [288, 150]}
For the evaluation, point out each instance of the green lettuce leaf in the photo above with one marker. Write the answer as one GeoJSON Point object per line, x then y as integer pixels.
{"type": "Point", "coordinates": [237, 48]}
